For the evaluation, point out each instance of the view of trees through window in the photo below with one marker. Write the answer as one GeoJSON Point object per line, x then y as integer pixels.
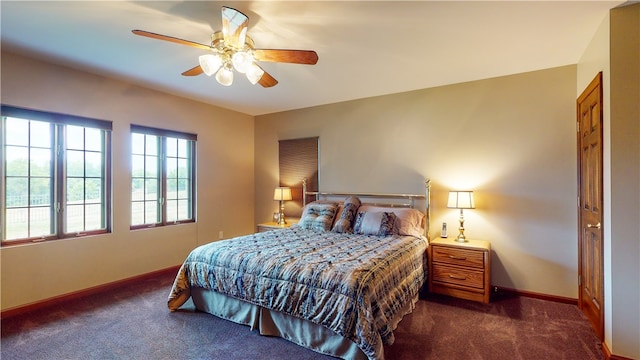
{"type": "Point", "coordinates": [29, 172]}
{"type": "Point", "coordinates": [84, 179]}
{"type": "Point", "coordinates": [145, 179]}
{"type": "Point", "coordinates": [161, 177]}
{"type": "Point", "coordinates": [54, 176]}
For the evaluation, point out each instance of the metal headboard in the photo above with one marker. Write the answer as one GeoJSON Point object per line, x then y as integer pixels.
{"type": "Point", "coordinates": [381, 196]}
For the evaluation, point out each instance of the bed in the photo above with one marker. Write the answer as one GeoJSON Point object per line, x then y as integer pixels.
{"type": "Point", "coordinates": [337, 282]}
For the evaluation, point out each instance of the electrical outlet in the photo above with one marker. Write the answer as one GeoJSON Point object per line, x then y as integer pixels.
{"type": "Point", "coordinates": [495, 289]}
{"type": "Point", "coordinates": [220, 234]}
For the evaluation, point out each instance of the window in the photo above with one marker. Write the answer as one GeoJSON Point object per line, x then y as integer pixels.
{"type": "Point", "coordinates": [162, 177]}
{"type": "Point", "coordinates": [298, 159]}
{"type": "Point", "coordinates": [55, 176]}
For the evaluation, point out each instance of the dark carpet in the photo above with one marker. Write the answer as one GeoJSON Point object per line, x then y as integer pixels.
{"type": "Point", "coordinates": [132, 322]}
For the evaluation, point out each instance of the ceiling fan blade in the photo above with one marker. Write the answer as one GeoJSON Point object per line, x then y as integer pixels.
{"type": "Point", "coordinates": [308, 57]}
{"type": "Point", "coordinates": [234, 27]}
{"type": "Point", "coordinates": [193, 71]}
{"type": "Point", "coordinates": [171, 39]}
{"type": "Point", "coordinates": [267, 80]}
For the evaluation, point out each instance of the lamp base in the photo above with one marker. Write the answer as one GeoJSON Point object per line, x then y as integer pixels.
{"type": "Point", "coordinates": [461, 238]}
{"type": "Point", "coordinates": [281, 220]}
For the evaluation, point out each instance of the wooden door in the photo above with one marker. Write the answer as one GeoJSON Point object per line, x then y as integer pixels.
{"type": "Point", "coordinates": [590, 247]}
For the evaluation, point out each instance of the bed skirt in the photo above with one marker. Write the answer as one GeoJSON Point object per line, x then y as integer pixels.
{"type": "Point", "coordinates": [274, 323]}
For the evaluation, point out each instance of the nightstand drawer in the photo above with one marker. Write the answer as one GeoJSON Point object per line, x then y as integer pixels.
{"type": "Point", "coordinates": [458, 276]}
{"type": "Point", "coordinates": [461, 257]}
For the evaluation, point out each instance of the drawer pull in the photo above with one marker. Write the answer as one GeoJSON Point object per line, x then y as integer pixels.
{"type": "Point", "coordinates": [458, 277]}
{"type": "Point", "coordinates": [458, 257]}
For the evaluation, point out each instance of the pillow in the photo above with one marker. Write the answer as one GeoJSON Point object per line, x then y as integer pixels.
{"type": "Point", "coordinates": [409, 221]}
{"type": "Point", "coordinates": [321, 201]}
{"type": "Point", "coordinates": [344, 223]}
{"type": "Point", "coordinates": [338, 214]}
{"type": "Point", "coordinates": [375, 223]}
{"type": "Point", "coordinates": [318, 216]}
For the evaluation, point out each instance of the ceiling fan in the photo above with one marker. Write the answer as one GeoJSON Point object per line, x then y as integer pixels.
{"type": "Point", "coordinates": [232, 49]}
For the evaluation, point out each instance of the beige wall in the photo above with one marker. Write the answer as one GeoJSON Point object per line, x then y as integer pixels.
{"type": "Point", "coordinates": [625, 181]}
{"type": "Point", "coordinates": [615, 50]}
{"type": "Point", "coordinates": [511, 139]}
{"type": "Point", "coordinates": [225, 176]}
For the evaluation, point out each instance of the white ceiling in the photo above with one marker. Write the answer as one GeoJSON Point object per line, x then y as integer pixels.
{"type": "Point", "coordinates": [365, 48]}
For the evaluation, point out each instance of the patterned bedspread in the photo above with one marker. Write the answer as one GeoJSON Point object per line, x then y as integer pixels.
{"type": "Point", "coordinates": [351, 284]}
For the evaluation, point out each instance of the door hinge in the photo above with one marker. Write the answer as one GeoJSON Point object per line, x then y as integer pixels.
{"type": "Point", "coordinates": [579, 280]}
{"type": "Point", "coordinates": [577, 126]}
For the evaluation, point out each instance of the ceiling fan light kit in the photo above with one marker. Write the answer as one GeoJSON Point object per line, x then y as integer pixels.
{"type": "Point", "coordinates": [232, 49]}
{"type": "Point", "coordinates": [224, 59]}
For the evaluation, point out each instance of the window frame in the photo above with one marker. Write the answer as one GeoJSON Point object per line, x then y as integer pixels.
{"type": "Point", "coordinates": [161, 199]}
{"type": "Point", "coordinates": [58, 173]}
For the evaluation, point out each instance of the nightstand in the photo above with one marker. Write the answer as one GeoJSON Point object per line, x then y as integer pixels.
{"type": "Point", "coordinates": [274, 225]}
{"type": "Point", "coordinates": [461, 270]}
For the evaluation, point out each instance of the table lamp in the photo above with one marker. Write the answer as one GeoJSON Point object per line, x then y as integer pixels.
{"type": "Point", "coordinates": [461, 200]}
{"type": "Point", "coordinates": [282, 194]}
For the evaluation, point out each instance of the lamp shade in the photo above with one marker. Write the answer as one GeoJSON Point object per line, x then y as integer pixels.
{"type": "Point", "coordinates": [210, 63]}
{"type": "Point", "coordinates": [254, 74]}
{"type": "Point", "coordinates": [242, 61]}
{"type": "Point", "coordinates": [282, 193]}
{"type": "Point", "coordinates": [461, 200]}
{"type": "Point", "coordinates": [225, 76]}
